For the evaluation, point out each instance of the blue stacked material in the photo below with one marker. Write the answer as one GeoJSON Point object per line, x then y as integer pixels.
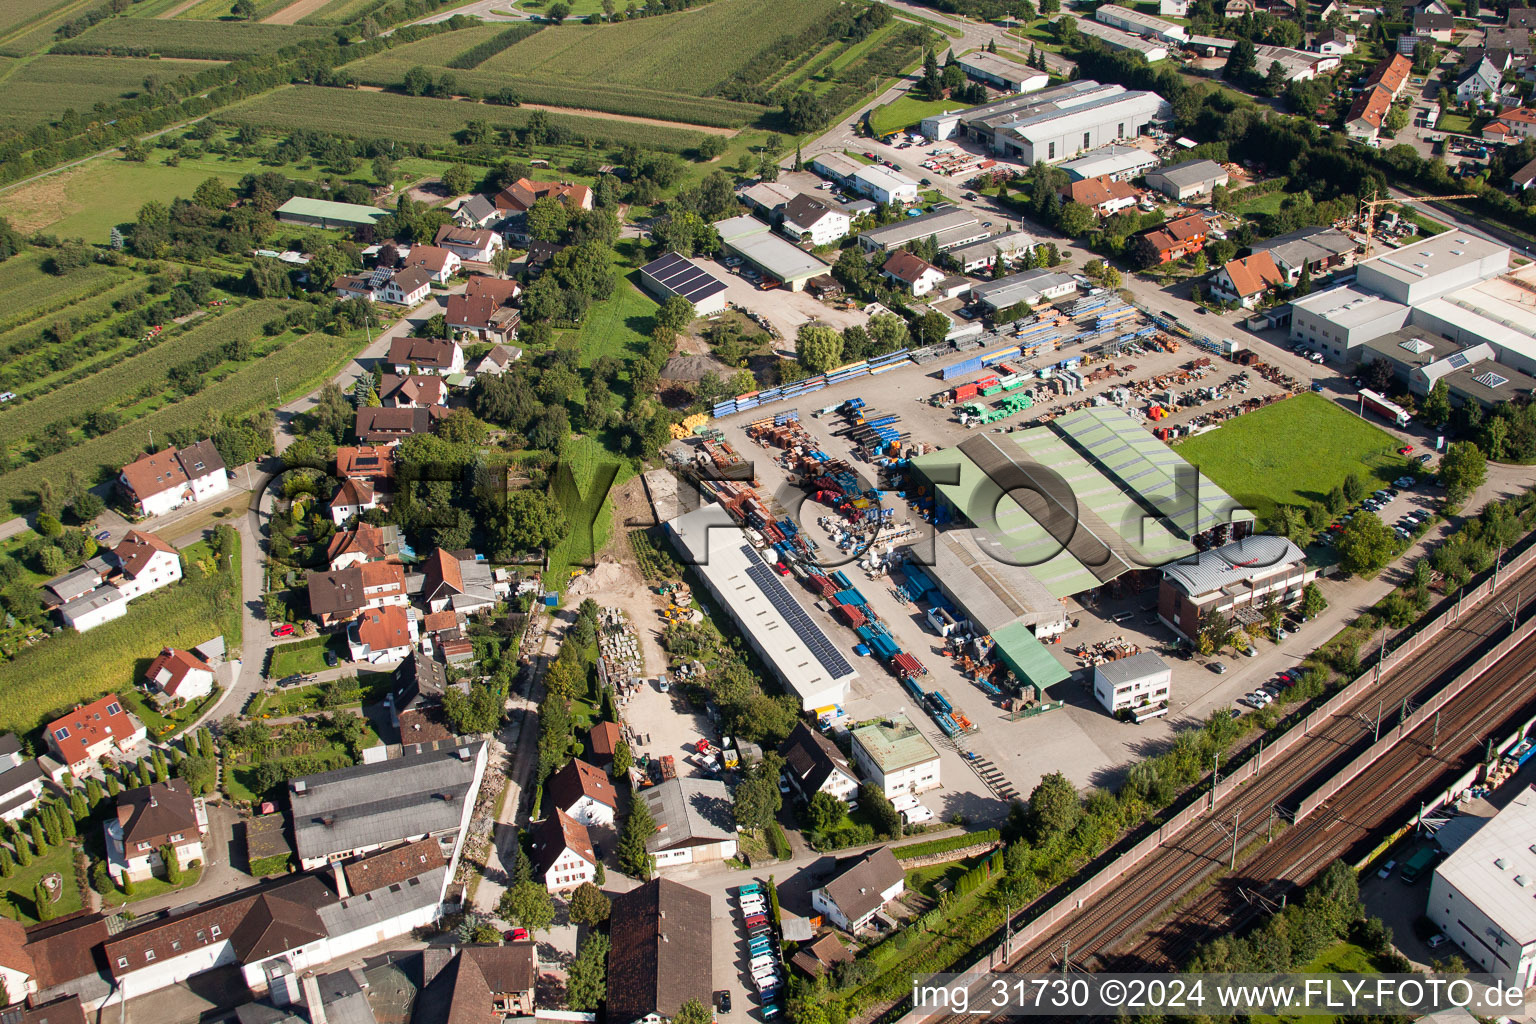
{"type": "Point", "coordinates": [883, 420]}
{"type": "Point", "coordinates": [990, 687]}
{"type": "Point", "coordinates": [898, 356]}
{"type": "Point", "coordinates": [789, 416]}
{"type": "Point", "coordinates": [850, 596]}
{"type": "Point", "coordinates": [921, 578]}
{"type": "Point", "coordinates": [853, 405]}
{"type": "Point", "coordinates": [912, 687]}
{"type": "Point", "coordinates": [861, 650]}
{"type": "Point", "coordinates": [960, 369]}
{"type": "Point", "coordinates": [1001, 354]}
{"type": "Point", "coordinates": [947, 724]}
{"type": "Point", "coordinates": [884, 647]}
{"type": "Point", "coordinates": [769, 395]}
{"type": "Point", "coordinates": [939, 701]}
{"type": "Point", "coordinates": [841, 579]}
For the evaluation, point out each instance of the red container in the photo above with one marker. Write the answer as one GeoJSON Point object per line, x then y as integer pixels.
{"type": "Point", "coordinates": [965, 391]}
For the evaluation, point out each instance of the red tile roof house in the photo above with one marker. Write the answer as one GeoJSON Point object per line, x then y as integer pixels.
{"type": "Point", "coordinates": [584, 792]}
{"type": "Point", "coordinates": [139, 564]}
{"type": "Point", "coordinates": [149, 818]}
{"type": "Point", "coordinates": [1368, 112]}
{"type": "Point", "coordinates": [562, 853]}
{"type": "Point", "coordinates": [1176, 239]}
{"type": "Point", "coordinates": [80, 739]}
{"type": "Point", "coordinates": [383, 635]}
{"type": "Point", "coordinates": [413, 391]}
{"type": "Point", "coordinates": [915, 274]}
{"type": "Point", "coordinates": [476, 245]}
{"type": "Point", "coordinates": [486, 309]}
{"type": "Point", "coordinates": [1520, 121]}
{"type": "Point", "coordinates": [179, 675]}
{"type": "Point", "coordinates": [440, 263]}
{"type": "Point", "coordinates": [156, 484]}
{"type": "Point", "coordinates": [365, 462]}
{"type": "Point", "coordinates": [147, 563]}
{"type": "Point", "coordinates": [353, 498]}
{"type": "Point", "coordinates": [342, 594]}
{"type": "Point", "coordinates": [54, 960]}
{"type": "Point", "coordinates": [520, 196]}
{"type": "Point", "coordinates": [430, 355]}
{"type": "Point", "coordinates": [1103, 195]}
{"type": "Point", "coordinates": [1246, 280]}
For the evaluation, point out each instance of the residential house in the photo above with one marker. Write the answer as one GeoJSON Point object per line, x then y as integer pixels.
{"type": "Point", "coordinates": [1187, 179]}
{"type": "Point", "coordinates": [80, 739]}
{"type": "Point", "coordinates": [1236, 8]}
{"type": "Point", "coordinates": [1247, 280]}
{"type": "Point", "coordinates": [416, 691]}
{"type": "Point", "coordinates": [373, 463]}
{"type": "Point", "coordinates": [1520, 17]}
{"type": "Point", "coordinates": [55, 960]}
{"type": "Point", "coordinates": [427, 355]}
{"type": "Point", "coordinates": [863, 884]}
{"type": "Point", "coordinates": [1175, 239]}
{"type": "Point", "coordinates": [1243, 574]}
{"type": "Point", "coordinates": [1103, 195]}
{"type": "Point", "coordinates": [1335, 42]}
{"type": "Point", "coordinates": [767, 197]}
{"type": "Point", "coordinates": [694, 822]}
{"type": "Point", "coordinates": [1434, 26]}
{"type": "Point", "coordinates": [520, 196]}
{"type": "Point", "coordinates": [21, 779]}
{"type": "Point", "coordinates": [602, 742]}
{"type": "Point", "coordinates": [340, 595]}
{"type": "Point", "coordinates": [807, 218]}
{"type": "Point", "coordinates": [815, 959]}
{"type": "Point", "coordinates": [1392, 73]}
{"type": "Point", "coordinates": [486, 309]}
{"type": "Point", "coordinates": [428, 792]}
{"type": "Point", "coordinates": [145, 562]}
{"type": "Point", "coordinates": [1521, 121]}
{"type": "Point", "coordinates": [378, 425]}
{"type": "Point", "coordinates": [1525, 177]}
{"type": "Point", "coordinates": [1515, 39]}
{"type": "Point", "coordinates": [179, 675]}
{"type": "Point", "coordinates": [1480, 84]}
{"type": "Point", "coordinates": [353, 498]}
{"type": "Point", "coordinates": [893, 755]}
{"type": "Point", "coordinates": [584, 792]}
{"type": "Point", "coordinates": [157, 483]}
{"type": "Point", "coordinates": [279, 929]}
{"type": "Point", "coordinates": [464, 585]}
{"type": "Point", "coordinates": [382, 635]}
{"type": "Point", "coordinates": [661, 954]}
{"type": "Point", "coordinates": [539, 255]}
{"type": "Point", "coordinates": [1498, 133]}
{"type": "Point", "coordinates": [364, 543]}
{"type": "Point", "coordinates": [1295, 65]}
{"type": "Point", "coordinates": [477, 211]}
{"type": "Point", "coordinates": [476, 245]}
{"type": "Point", "coordinates": [413, 391]}
{"type": "Point", "coordinates": [813, 764]}
{"type": "Point", "coordinates": [1317, 250]}
{"type": "Point", "coordinates": [480, 984]}
{"type": "Point", "coordinates": [1173, 8]}
{"type": "Point", "coordinates": [1007, 247]}
{"type": "Point", "coordinates": [149, 819]}
{"type": "Point", "coordinates": [496, 362]}
{"type": "Point", "coordinates": [1368, 113]}
{"type": "Point", "coordinates": [562, 853]}
{"type": "Point", "coordinates": [913, 273]}
{"type": "Point", "coordinates": [439, 262]}
{"type": "Point", "coordinates": [406, 286]}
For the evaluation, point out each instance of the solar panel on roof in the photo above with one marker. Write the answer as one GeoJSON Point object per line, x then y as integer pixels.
{"type": "Point", "coordinates": [684, 278]}
{"type": "Point", "coordinates": [773, 589]}
{"type": "Point", "coordinates": [1491, 380]}
{"type": "Point", "coordinates": [1459, 360]}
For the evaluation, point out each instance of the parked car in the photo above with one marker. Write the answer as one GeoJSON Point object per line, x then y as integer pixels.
{"type": "Point", "coordinates": [1403, 481]}
{"type": "Point", "coordinates": [1406, 449]}
{"type": "Point", "coordinates": [286, 629]}
{"type": "Point", "coordinates": [723, 1001]}
{"type": "Point", "coordinates": [330, 659]}
{"type": "Point", "coordinates": [517, 935]}
{"type": "Point", "coordinates": [756, 919]}
{"type": "Point", "coordinates": [1437, 940]}
{"type": "Point", "coordinates": [103, 536]}
{"type": "Point", "coordinates": [1387, 869]}
{"type": "Point", "coordinates": [1423, 459]}
{"type": "Point", "coordinates": [1219, 667]}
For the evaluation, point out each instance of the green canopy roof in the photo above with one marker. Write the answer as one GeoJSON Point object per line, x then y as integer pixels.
{"type": "Point", "coordinates": [1022, 652]}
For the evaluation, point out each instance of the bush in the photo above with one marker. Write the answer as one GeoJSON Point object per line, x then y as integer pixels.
{"type": "Point", "coordinates": [937, 846]}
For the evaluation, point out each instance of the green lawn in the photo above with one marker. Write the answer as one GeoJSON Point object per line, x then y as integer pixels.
{"type": "Point", "coordinates": [153, 887]}
{"type": "Point", "coordinates": [20, 886]}
{"type": "Point", "coordinates": [305, 656]}
{"type": "Point", "coordinates": [906, 111]}
{"type": "Point", "coordinates": [620, 326]}
{"type": "Point", "coordinates": [297, 700]}
{"type": "Point", "coordinates": [1453, 123]}
{"type": "Point", "coordinates": [1256, 206]}
{"type": "Point", "coordinates": [585, 456]}
{"type": "Point", "coordinates": [1278, 454]}
{"type": "Point", "coordinates": [162, 725]}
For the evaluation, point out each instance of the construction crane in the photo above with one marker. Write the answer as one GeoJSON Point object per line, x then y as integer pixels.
{"type": "Point", "coordinates": [1368, 209]}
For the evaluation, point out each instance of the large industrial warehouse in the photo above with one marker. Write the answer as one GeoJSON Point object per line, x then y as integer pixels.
{"type": "Point", "coordinates": [756, 243]}
{"type": "Point", "coordinates": [788, 640]}
{"type": "Point", "coordinates": [1056, 124]}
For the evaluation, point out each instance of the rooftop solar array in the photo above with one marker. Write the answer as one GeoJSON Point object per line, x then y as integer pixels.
{"type": "Point", "coordinates": [1491, 380]}
{"type": "Point", "coordinates": [809, 633]}
{"type": "Point", "coordinates": [682, 277]}
{"type": "Point", "coordinates": [1458, 360]}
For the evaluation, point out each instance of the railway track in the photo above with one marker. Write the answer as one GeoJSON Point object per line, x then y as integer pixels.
{"type": "Point", "coordinates": [1122, 911]}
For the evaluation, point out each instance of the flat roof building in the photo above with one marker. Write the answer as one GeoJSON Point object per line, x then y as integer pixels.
{"type": "Point", "coordinates": [1480, 895]}
{"type": "Point", "coordinates": [975, 255]}
{"type": "Point", "coordinates": [674, 274]}
{"type": "Point", "coordinates": [837, 166]}
{"type": "Point", "coordinates": [1058, 123]}
{"type": "Point", "coordinates": [894, 755]}
{"type": "Point", "coordinates": [1001, 73]}
{"type": "Point", "coordinates": [1138, 686]}
{"type": "Point", "coordinates": [1141, 24]}
{"type": "Point", "coordinates": [1431, 267]}
{"type": "Point", "coordinates": [1420, 358]}
{"type": "Point", "coordinates": [1236, 579]}
{"type": "Point", "coordinates": [1151, 50]}
{"type": "Point", "coordinates": [769, 616]}
{"type": "Point", "coordinates": [1031, 286]}
{"type": "Point", "coordinates": [1188, 179]}
{"type": "Point", "coordinates": [1117, 163]}
{"type": "Point", "coordinates": [950, 228]}
{"type": "Point", "coordinates": [883, 185]}
{"type": "Point", "coordinates": [323, 213]}
{"type": "Point", "coordinates": [755, 243]}
{"type": "Point", "coordinates": [1298, 65]}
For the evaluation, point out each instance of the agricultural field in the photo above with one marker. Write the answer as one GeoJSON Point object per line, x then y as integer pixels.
{"type": "Point", "coordinates": [430, 121]}
{"type": "Point", "coordinates": [336, 12]}
{"type": "Point", "coordinates": [436, 51]}
{"type": "Point", "coordinates": [26, 26]}
{"type": "Point", "coordinates": [218, 10]}
{"type": "Point", "coordinates": [1270, 457]}
{"type": "Point", "coordinates": [27, 292]}
{"type": "Point", "coordinates": [298, 367]}
{"type": "Point", "coordinates": [72, 667]}
{"type": "Point", "coordinates": [217, 40]}
{"type": "Point", "coordinates": [43, 88]}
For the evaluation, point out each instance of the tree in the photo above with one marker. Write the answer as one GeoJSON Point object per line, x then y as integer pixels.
{"type": "Point", "coordinates": [245, 10]}
{"type": "Point", "coordinates": [825, 811]}
{"type": "Point", "coordinates": [622, 759]}
{"type": "Point", "coordinates": [589, 906]}
{"type": "Point", "coordinates": [172, 865]}
{"type": "Point", "coordinates": [39, 843]}
{"type": "Point", "coordinates": [1462, 471]}
{"type": "Point", "coordinates": [547, 219]}
{"type": "Point", "coordinates": [586, 984]}
{"type": "Point", "coordinates": [417, 81]}
{"type": "Point", "coordinates": [1312, 601]}
{"type": "Point", "coordinates": [693, 1012]}
{"type": "Point", "coordinates": [805, 112]}
{"type": "Point", "coordinates": [757, 798]}
{"type": "Point", "coordinates": [213, 194]}
{"type": "Point", "coordinates": [932, 327]}
{"type": "Point", "coordinates": [1365, 544]}
{"type": "Point", "coordinates": [559, 11]}
{"type": "Point", "coordinates": [1054, 808]}
{"type": "Point", "coordinates": [675, 313]}
{"type": "Point", "coordinates": [1436, 407]}
{"type": "Point", "coordinates": [528, 904]}
{"type": "Point", "coordinates": [1354, 488]}
{"type": "Point", "coordinates": [1274, 78]}
{"type": "Point", "coordinates": [458, 179]}
{"type": "Point", "coordinates": [7, 864]}
{"type": "Point", "coordinates": [818, 348]}
{"type": "Point", "coordinates": [532, 520]}
{"type": "Point", "coordinates": [887, 818]}
{"type": "Point", "coordinates": [634, 859]}
{"type": "Point", "coordinates": [45, 907]}
{"type": "Point", "coordinates": [1075, 219]}
{"type": "Point", "coordinates": [1243, 61]}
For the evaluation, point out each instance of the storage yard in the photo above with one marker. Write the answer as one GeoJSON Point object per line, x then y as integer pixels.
{"type": "Point", "coordinates": [981, 651]}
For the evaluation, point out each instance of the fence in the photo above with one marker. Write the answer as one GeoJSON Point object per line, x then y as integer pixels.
{"type": "Point", "coordinates": [1047, 918]}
